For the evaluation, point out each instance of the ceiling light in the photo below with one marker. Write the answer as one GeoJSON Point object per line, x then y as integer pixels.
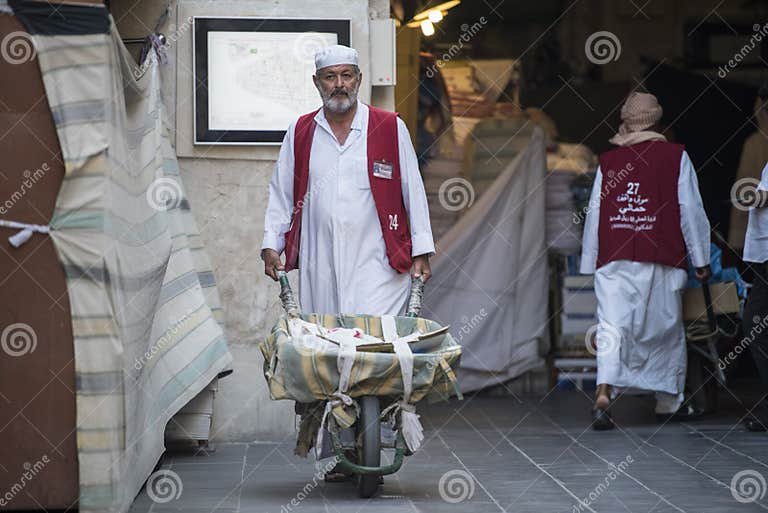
{"type": "Point", "coordinates": [423, 15]}
{"type": "Point", "coordinates": [435, 15]}
{"type": "Point", "coordinates": [427, 28]}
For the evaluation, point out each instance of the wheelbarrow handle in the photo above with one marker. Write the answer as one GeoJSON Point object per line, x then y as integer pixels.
{"type": "Point", "coordinates": [292, 308]}
{"type": "Point", "coordinates": [416, 297]}
{"type": "Point", "coordinates": [346, 465]}
{"type": "Point", "coordinates": [286, 295]}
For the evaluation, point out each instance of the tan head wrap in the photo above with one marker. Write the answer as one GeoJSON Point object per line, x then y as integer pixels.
{"type": "Point", "coordinates": [640, 111]}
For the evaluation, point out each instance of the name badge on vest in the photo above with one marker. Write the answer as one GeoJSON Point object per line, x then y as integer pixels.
{"type": "Point", "coordinates": [382, 169]}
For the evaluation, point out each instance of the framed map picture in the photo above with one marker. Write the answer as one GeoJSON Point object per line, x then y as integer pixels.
{"type": "Point", "coordinates": [253, 76]}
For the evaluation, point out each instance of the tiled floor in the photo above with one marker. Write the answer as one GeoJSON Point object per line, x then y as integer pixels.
{"type": "Point", "coordinates": [500, 455]}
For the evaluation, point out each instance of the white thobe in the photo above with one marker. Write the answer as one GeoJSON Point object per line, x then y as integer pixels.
{"type": "Point", "coordinates": [642, 302]}
{"type": "Point", "coordinates": [756, 240]}
{"type": "Point", "coordinates": [343, 266]}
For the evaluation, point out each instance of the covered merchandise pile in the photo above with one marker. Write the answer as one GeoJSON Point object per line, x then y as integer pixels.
{"type": "Point", "coordinates": [308, 362]}
{"type": "Point", "coordinates": [498, 304]}
{"type": "Point", "coordinates": [493, 190]}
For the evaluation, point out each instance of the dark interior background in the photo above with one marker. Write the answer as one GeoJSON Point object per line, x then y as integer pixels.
{"type": "Point", "coordinates": [673, 48]}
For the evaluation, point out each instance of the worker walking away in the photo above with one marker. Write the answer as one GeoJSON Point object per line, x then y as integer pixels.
{"type": "Point", "coordinates": [645, 215]}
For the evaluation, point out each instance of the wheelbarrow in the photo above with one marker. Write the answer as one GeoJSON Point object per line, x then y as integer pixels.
{"type": "Point", "coordinates": [375, 428]}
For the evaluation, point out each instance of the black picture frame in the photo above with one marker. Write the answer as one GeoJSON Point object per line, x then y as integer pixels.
{"type": "Point", "coordinates": [202, 25]}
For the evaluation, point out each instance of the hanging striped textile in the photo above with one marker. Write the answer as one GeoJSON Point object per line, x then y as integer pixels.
{"type": "Point", "coordinates": [145, 309]}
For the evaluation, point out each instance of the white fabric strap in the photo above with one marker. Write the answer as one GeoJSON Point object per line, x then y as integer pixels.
{"type": "Point", "coordinates": [344, 362]}
{"type": "Point", "coordinates": [389, 328]}
{"type": "Point", "coordinates": [348, 340]}
{"type": "Point", "coordinates": [338, 398]}
{"type": "Point", "coordinates": [26, 231]}
{"type": "Point", "coordinates": [405, 355]}
{"type": "Point", "coordinates": [413, 432]}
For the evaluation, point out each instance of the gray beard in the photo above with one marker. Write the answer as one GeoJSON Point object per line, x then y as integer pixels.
{"type": "Point", "coordinates": [340, 103]}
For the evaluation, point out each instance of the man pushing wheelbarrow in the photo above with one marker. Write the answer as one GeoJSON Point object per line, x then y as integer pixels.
{"type": "Point", "coordinates": [347, 206]}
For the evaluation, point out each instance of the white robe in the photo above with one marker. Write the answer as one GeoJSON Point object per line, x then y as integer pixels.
{"type": "Point", "coordinates": [343, 267]}
{"type": "Point", "coordinates": [756, 240]}
{"type": "Point", "coordinates": [640, 304]}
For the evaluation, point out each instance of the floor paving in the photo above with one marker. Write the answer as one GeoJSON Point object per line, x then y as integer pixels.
{"type": "Point", "coordinates": [499, 454]}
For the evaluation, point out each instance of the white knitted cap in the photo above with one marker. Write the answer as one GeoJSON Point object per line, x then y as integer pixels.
{"type": "Point", "coordinates": [335, 55]}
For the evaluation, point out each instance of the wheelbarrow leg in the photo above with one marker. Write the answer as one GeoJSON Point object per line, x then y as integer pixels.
{"type": "Point", "coordinates": [714, 357]}
{"type": "Point", "coordinates": [370, 445]}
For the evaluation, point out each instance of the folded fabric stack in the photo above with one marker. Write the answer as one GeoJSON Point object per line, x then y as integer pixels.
{"type": "Point", "coordinates": [492, 145]}
{"type": "Point", "coordinates": [475, 87]}
{"type": "Point", "coordinates": [565, 220]}
{"type": "Point", "coordinates": [437, 175]}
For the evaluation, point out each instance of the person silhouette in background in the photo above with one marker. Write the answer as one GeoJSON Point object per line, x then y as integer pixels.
{"type": "Point", "coordinates": [645, 216]}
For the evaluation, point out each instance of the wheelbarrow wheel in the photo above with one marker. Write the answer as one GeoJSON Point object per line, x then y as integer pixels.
{"type": "Point", "coordinates": [369, 433]}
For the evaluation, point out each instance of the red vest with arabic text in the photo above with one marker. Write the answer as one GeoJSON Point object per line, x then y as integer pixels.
{"type": "Point", "coordinates": [387, 193]}
{"type": "Point", "coordinates": [639, 205]}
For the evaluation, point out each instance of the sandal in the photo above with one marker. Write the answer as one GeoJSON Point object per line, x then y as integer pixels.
{"type": "Point", "coordinates": [601, 420]}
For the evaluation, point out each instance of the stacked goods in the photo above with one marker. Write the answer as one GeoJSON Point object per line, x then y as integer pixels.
{"type": "Point", "coordinates": [440, 176]}
{"type": "Point", "coordinates": [579, 312]}
{"type": "Point", "coordinates": [506, 110]}
{"type": "Point", "coordinates": [471, 105]}
{"type": "Point", "coordinates": [475, 87]}
{"type": "Point", "coordinates": [566, 165]}
{"type": "Point", "coordinates": [462, 128]}
{"type": "Point", "coordinates": [466, 100]}
{"type": "Point", "coordinates": [579, 373]}
{"type": "Point", "coordinates": [494, 75]}
{"type": "Point", "coordinates": [576, 158]}
{"type": "Point", "coordinates": [489, 130]}
{"type": "Point", "coordinates": [573, 307]}
{"type": "Point", "coordinates": [492, 145]}
{"type": "Point", "coordinates": [563, 230]}
{"type": "Point", "coordinates": [194, 421]}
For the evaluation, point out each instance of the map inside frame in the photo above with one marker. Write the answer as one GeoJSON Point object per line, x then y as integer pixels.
{"type": "Point", "coordinates": [253, 76]}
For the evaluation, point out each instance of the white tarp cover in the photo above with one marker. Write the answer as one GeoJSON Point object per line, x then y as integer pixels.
{"type": "Point", "coordinates": [145, 310]}
{"type": "Point", "coordinates": [490, 275]}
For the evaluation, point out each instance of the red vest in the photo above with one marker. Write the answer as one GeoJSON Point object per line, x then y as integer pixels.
{"type": "Point", "coordinates": [639, 206]}
{"type": "Point", "coordinates": [387, 192]}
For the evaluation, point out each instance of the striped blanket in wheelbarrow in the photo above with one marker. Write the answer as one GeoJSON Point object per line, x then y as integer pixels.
{"type": "Point", "coordinates": [305, 368]}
